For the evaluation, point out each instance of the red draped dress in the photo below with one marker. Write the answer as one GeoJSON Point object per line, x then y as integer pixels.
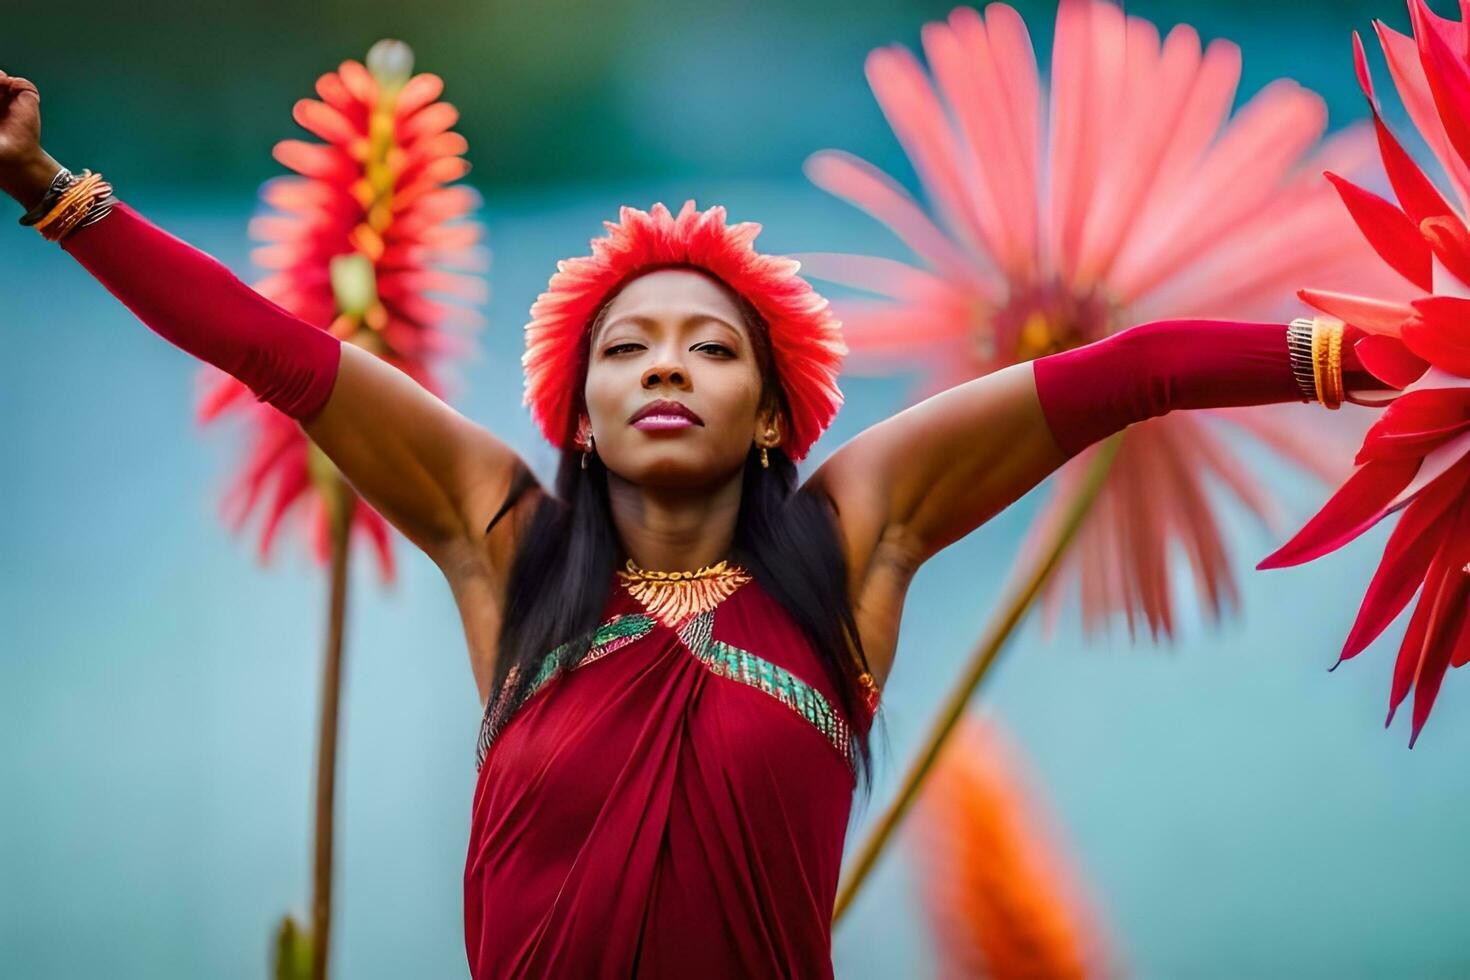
{"type": "Point", "coordinates": [673, 805]}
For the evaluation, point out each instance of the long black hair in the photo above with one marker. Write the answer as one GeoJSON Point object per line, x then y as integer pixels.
{"type": "Point", "coordinates": [562, 572]}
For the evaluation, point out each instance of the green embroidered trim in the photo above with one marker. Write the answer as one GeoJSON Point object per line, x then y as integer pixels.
{"type": "Point", "coordinates": [718, 657]}
{"type": "Point", "coordinates": [748, 668]}
{"type": "Point", "coordinates": [612, 635]}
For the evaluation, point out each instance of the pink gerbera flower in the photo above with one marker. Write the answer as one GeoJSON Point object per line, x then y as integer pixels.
{"type": "Point", "coordinates": [1130, 194]}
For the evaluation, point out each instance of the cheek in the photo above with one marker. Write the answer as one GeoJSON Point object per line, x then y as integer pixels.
{"type": "Point", "coordinates": [604, 391]}
{"type": "Point", "coordinates": [739, 399]}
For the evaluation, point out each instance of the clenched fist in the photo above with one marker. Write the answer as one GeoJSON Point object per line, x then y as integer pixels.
{"type": "Point", "coordinates": [20, 119]}
{"type": "Point", "coordinates": [25, 169]}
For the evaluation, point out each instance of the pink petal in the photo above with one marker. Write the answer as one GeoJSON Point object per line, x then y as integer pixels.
{"type": "Point", "coordinates": [873, 191]}
{"type": "Point", "coordinates": [918, 120]}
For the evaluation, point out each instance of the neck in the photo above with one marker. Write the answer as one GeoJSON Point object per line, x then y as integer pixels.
{"type": "Point", "coordinates": [675, 529]}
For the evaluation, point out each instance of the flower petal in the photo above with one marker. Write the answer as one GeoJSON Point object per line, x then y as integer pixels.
{"type": "Point", "coordinates": [1449, 79]}
{"type": "Point", "coordinates": [1406, 557]}
{"type": "Point", "coordinates": [1372, 315]}
{"type": "Point", "coordinates": [1358, 504]}
{"type": "Point", "coordinates": [1441, 332]}
{"type": "Point", "coordinates": [1388, 360]}
{"type": "Point", "coordinates": [1417, 423]}
{"type": "Point", "coordinates": [1393, 236]}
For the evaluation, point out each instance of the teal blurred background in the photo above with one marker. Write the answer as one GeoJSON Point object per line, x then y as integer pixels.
{"type": "Point", "coordinates": [1237, 811]}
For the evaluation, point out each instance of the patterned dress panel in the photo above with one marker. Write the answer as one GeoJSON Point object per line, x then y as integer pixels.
{"type": "Point", "coordinates": [614, 634]}
{"type": "Point", "coordinates": [720, 658]}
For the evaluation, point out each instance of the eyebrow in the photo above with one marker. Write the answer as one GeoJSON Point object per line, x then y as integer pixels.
{"type": "Point", "coordinates": [646, 320]}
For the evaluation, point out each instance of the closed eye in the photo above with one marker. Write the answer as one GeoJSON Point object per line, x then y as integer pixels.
{"type": "Point", "coordinates": [724, 351]}
{"type": "Point", "coordinates": [617, 347]}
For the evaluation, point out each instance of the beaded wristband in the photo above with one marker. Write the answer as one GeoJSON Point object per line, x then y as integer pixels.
{"type": "Point", "coordinates": [1315, 349]}
{"type": "Point", "coordinates": [1299, 346]}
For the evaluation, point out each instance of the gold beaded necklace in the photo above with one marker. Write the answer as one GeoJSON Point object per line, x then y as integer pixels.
{"type": "Point", "coordinates": [672, 597]}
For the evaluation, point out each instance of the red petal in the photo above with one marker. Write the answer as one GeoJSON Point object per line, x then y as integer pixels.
{"type": "Point", "coordinates": [376, 528]}
{"type": "Point", "coordinates": [1441, 332]}
{"type": "Point", "coordinates": [1416, 193]}
{"type": "Point", "coordinates": [1405, 560]}
{"type": "Point", "coordinates": [1413, 641]}
{"type": "Point", "coordinates": [291, 485]}
{"type": "Point", "coordinates": [1450, 241]}
{"type": "Point", "coordinates": [418, 92]}
{"type": "Point", "coordinates": [315, 160]}
{"type": "Point", "coordinates": [1393, 236]}
{"type": "Point", "coordinates": [325, 121]}
{"type": "Point", "coordinates": [1449, 81]}
{"type": "Point", "coordinates": [1439, 643]}
{"type": "Point", "coordinates": [1358, 504]}
{"type": "Point", "coordinates": [1373, 315]}
{"type": "Point", "coordinates": [1416, 423]}
{"type": "Point", "coordinates": [1387, 359]}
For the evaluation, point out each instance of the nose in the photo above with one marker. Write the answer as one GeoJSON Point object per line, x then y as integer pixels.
{"type": "Point", "coordinates": [666, 370]}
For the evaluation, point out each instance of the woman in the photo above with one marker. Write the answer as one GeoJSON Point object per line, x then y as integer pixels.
{"type": "Point", "coordinates": [679, 650]}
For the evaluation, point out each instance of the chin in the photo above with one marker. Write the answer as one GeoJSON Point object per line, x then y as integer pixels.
{"type": "Point", "coordinates": [673, 465]}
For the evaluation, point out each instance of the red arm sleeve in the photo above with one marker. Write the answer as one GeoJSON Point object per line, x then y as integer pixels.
{"type": "Point", "coordinates": [1092, 391]}
{"type": "Point", "coordinates": [196, 303]}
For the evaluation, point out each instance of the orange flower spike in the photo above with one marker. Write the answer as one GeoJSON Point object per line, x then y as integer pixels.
{"type": "Point", "coordinates": [998, 893]}
{"type": "Point", "coordinates": [360, 196]}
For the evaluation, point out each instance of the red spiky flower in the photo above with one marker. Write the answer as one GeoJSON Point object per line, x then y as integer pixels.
{"type": "Point", "coordinates": [368, 231]}
{"type": "Point", "coordinates": [1413, 460]}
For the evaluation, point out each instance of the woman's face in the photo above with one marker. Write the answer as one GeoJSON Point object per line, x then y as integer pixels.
{"type": "Point", "coordinates": [674, 335]}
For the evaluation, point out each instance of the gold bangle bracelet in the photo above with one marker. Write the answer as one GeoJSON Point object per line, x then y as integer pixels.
{"type": "Point", "coordinates": [1318, 343]}
{"type": "Point", "coordinates": [75, 210]}
{"type": "Point", "coordinates": [75, 193]}
{"type": "Point", "coordinates": [1333, 372]}
{"type": "Point", "coordinates": [72, 207]}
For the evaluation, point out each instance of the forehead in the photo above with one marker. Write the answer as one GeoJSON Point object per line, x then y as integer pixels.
{"type": "Point", "coordinates": [673, 295]}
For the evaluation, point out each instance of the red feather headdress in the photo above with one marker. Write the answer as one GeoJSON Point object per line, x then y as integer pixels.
{"type": "Point", "coordinates": [806, 339]}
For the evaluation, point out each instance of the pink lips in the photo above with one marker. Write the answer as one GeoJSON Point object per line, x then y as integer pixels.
{"type": "Point", "coordinates": [664, 414]}
{"type": "Point", "coordinates": [654, 423]}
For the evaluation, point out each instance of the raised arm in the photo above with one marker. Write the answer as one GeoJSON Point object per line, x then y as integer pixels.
{"type": "Point", "coordinates": [432, 473]}
{"type": "Point", "coordinates": [920, 480]}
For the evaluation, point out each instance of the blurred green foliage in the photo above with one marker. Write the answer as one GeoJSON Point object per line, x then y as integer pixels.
{"type": "Point", "coordinates": [556, 91]}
